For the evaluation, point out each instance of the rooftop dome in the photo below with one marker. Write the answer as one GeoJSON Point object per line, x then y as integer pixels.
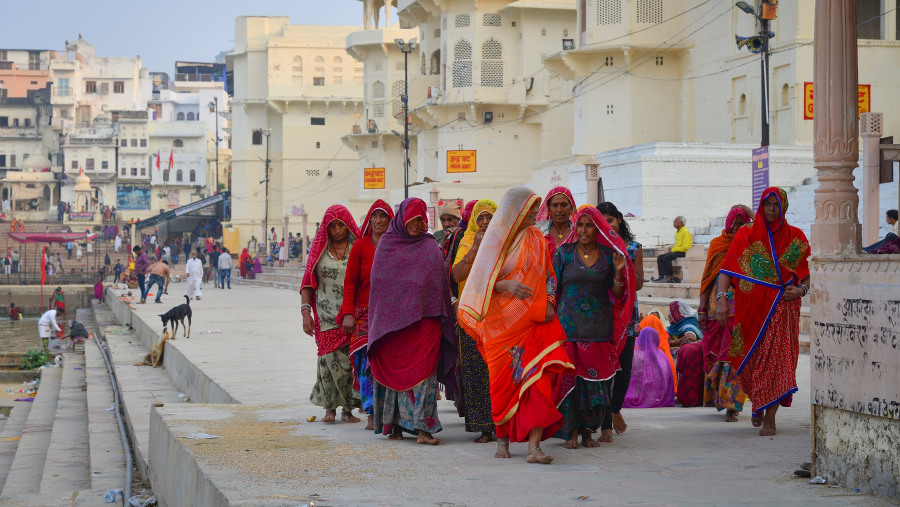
{"type": "Point", "coordinates": [82, 183]}
{"type": "Point", "coordinates": [36, 162]}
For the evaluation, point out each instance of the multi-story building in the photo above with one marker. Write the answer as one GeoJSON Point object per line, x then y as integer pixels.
{"type": "Point", "coordinates": [23, 70]}
{"type": "Point", "coordinates": [296, 93]}
{"type": "Point", "coordinates": [185, 144]}
{"type": "Point", "coordinates": [91, 149]}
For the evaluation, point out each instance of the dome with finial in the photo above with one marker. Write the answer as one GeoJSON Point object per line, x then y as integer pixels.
{"type": "Point", "coordinates": [36, 162]}
{"type": "Point", "coordinates": [82, 183]}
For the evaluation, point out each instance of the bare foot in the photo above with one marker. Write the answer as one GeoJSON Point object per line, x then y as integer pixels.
{"type": "Point", "coordinates": [502, 448]}
{"type": "Point", "coordinates": [756, 421]}
{"type": "Point", "coordinates": [484, 438]}
{"type": "Point", "coordinates": [619, 423]}
{"type": "Point", "coordinates": [426, 438]}
{"type": "Point", "coordinates": [370, 425]}
{"type": "Point", "coordinates": [538, 456]}
{"type": "Point", "coordinates": [396, 434]}
{"type": "Point", "coordinates": [349, 417]}
{"type": "Point", "coordinates": [731, 415]}
{"type": "Point", "coordinates": [587, 441]}
{"type": "Point", "coordinates": [605, 435]}
{"type": "Point", "coordinates": [571, 443]}
{"type": "Point", "coordinates": [329, 416]}
{"type": "Point", "coordinates": [767, 430]}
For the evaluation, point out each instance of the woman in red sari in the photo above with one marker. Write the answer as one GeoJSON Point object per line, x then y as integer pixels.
{"type": "Point", "coordinates": [354, 314]}
{"type": "Point", "coordinates": [245, 262]}
{"type": "Point", "coordinates": [554, 218]}
{"type": "Point", "coordinates": [767, 265]}
{"type": "Point", "coordinates": [508, 307]}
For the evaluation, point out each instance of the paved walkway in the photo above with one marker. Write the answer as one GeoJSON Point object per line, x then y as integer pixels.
{"type": "Point", "coordinates": [249, 342]}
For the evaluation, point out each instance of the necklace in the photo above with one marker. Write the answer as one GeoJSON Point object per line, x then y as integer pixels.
{"type": "Point", "coordinates": [340, 256]}
{"type": "Point", "coordinates": [588, 252]}
{"type": "Point", "coordinates": [560, 233]}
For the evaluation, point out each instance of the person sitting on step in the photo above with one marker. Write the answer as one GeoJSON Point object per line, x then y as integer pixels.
{"type": "Point", "coordinates": [683, 242]}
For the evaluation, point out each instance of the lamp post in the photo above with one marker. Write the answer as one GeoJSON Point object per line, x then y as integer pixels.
{"type": "Point", "coordinates": [214, 108]}
{"type": "Point", "coordinates": [768, 12]}
{"type": "Point", "coordinates": [406, 48]}
{"type": "Point", "coordinates": [266, 132]}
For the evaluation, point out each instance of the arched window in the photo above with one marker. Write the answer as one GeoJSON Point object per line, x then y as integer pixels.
{"type": "Point", "coordinates": [178, 143]}
{"type": "Point", "coordinates": [179, 117]}
{"type": "Point", "coordinates": [179, 175]}
{"type": "Point", "coordinates": [319, 59]}
{"type": "Point", "coordinates": [378, 99]}
{"type": "Point", "coordinates": [297, 71]}
{"type": "Point", "coordinates": [742, 105]}
{"type": "Point", "coordinates": [337, 72]}
{"type": "Point", "coordinates": [436, 62]}
{"type": "Point", "coordinates": [190, 116]}
{"type": "Point", "coordinates": [785, 94]}
{"type": "Point", "coordinates": [165, 175]}
{"type": "Point", "coordinates": [337, 60]}
{"type": "Point", "coordinates": [492, 63]}
{"type": "Point", "coordinates": [193, 175]}
{"type": "Point", "coordinates": [462, 64]}
{"type": "Point", "coordinates": [377, 90]}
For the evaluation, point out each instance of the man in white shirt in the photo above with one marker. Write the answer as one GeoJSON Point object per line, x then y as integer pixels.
{"type": "Point", "coordinates": [193, 268]}
{"type": "Point", "coordinates": [225, 268]}
{"type": "Point", "coordinates": [47, 324]}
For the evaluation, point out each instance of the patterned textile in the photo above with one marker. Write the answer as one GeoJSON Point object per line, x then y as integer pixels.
{"type": "Point", "coordinates": [334, 382]}
{"type": "Point", "coordinates": [412, 410]}
{"type": "Point", "coordinates": [691, 374]}
{"type": "Point", "coordinates": [723, 388]}
{"type": "Point", "coordinates": [362, 375]}
{"type": "Point", "coordinates": [468, 239]}
{"type": "Point", "coordinates": [585, 407]}
{"type": "Point", "coordinates": [544, 222]}
{"type": "Point", "coordinates": [769, 374]}
{"type": "Point", "coordinates": [475, 386]}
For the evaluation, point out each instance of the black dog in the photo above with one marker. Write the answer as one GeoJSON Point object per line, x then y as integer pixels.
{"type": "Point", "coordinates": [176, 315]}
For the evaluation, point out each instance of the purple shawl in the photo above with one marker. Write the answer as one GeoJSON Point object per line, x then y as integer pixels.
{"type": "Point", "coordinates": [409, 284]}
{"type": "Point", "coordinates": [651, 375]}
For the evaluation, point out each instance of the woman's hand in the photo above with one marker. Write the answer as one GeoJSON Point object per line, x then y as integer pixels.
{"type": "Point", "coordinates": [722, 313]}
{"type": "Point", "coordinates": [517, 289]}
{"type": "Point", "coordinates": [349, 324]}
{"type": "Point", "coordinates": [477, 242]}
{"type": "Point", "coordinates": [308, 326]}
{"type": "Point", "coordinates": [701, 321]}
{"type": "Point", "coordinates": [551, 312]}
{"type": "Point", "coordinates": [618, 262]}
{"type": "Point", "coordinates": [792, 292]}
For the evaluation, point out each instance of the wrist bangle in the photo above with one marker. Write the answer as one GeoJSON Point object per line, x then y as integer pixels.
{"type": "Point", "coordinates": [305, 307]}
{"type": "Point", "coordinates": [618, 283]}
{"type": "Point", "coordinates": [805, 289]}
{"type": "Point", "coordinates": [720, 295]}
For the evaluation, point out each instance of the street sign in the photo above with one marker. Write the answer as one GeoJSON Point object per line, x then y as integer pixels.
{"type": "Point", "coordinates": [760, 173]}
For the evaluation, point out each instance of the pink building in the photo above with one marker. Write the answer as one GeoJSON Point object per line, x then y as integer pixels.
{"type": "Point", "coordinates": [22, 70]}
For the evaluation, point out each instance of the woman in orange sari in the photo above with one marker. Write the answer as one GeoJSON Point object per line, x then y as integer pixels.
{"type": "Point", "coordinates": [508, 307]}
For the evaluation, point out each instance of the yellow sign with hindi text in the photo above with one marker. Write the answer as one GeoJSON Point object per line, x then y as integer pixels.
{"type": "Point", "coordinates": [461, 161]}
{"type": "Point", "coordinates": [373, 178]}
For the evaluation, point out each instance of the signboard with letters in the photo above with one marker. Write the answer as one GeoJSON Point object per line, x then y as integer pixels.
{"type": "Point", "coordinates": [760, 173]}
{"type": "Point", "coordinates": [81, 216]}
{"type": "Point", "coordinates": [864, 95]}
{"type": "Point", "coordinates": [461, 161]}
{"type": "Point", "coordinates": [373, 178]}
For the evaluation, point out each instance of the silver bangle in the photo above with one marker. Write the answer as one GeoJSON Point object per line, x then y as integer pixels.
{"type": "Point", "coordinates": [618, 283]}
{"type": "Point", "coordinates": [306, 306]}
{"type": "Point", "coordinates": [720, 295]}
{"type": "Point", "coordinates": [805, 289]}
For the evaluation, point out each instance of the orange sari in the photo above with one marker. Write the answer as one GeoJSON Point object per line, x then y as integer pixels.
{"type": "Point", "coordinates": [652, 321]}
{"type": "Point", "coordinates": [522, 352]}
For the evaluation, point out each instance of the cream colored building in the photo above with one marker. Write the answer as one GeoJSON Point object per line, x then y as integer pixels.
{"type": "Point", "coordinates": [298, 90]}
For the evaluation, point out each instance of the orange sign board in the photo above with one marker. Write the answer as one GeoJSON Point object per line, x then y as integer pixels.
{"type": "Point", "coordinates": [863, 94]}
{"type": "Point", "coordinates": [373, 177]}
{"type": "Point", "coordinates": [461, 161]}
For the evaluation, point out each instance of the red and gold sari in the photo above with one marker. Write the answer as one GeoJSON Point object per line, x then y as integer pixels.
{"type": "Point", "coordinates": [521, 350]}
{"type": "Point", "coordinates": [764, 260]}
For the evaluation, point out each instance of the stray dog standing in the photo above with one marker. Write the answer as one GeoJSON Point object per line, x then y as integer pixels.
{"type": "Point", "coordinates": [176, 315]}
{"type": "Point", "coordinates": [155, 357]}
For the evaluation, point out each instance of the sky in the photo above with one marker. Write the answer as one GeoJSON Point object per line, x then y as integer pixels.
{"type": "Point", "coordinates": [162, 31]}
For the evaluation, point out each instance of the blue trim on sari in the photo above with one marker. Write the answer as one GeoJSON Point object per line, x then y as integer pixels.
{"type": "Point", "coordinates": [758, 412]}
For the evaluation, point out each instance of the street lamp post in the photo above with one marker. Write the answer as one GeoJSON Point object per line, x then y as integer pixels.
{"type": "Point", "coordinates": [406, 48]}
{"type": "Point", "coordinates": [214, 108]}
{"type": "Point", "coordinates": [266, 132]}
{"type": "Point", "coordinates": [764, 36]}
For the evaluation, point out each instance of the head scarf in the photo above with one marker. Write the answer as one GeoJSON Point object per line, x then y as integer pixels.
{"type": "Point", "coordinates": [409, 284]}
{"type": "Point", "coordinates": [763, 260]}
{"type": "Point", "coordinates": [544, 212]}
{"type": "Point", "coordinates": [451, 208]}
{"type": "Point", "coordinates": [467, 214]}
{"type": "Point", "coordinates": [320, 243]}
{"type": "Point", "coordinates": [623, 308]}
{"type": "Point", "coordinates": [718, 248]}
{"type": "Point", "coordinates": [652, 321]}
{"type": "Point", "coordinates": [652, 383]}
{"type": "Point", "coordinates": [495, 246]}
{"type": "Point", "coordinates": [468, 239]}
{"type": "Point", "coordinates": [377, 205]}
{"type": "Point", "coordinates": [684, 319]}
{"type": "Point", "coordinates": [585, 206]}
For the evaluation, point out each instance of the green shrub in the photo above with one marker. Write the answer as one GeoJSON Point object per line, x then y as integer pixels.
{"type": "Point", "coordinates": [33, 359]}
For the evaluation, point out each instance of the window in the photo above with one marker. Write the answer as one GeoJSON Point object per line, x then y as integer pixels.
{"type": "Point", "coordinates": [193, 176]}
{"type": "Point", "coordinates": [785, 94]}
{"type": "Point", "coordinates": [257, 137]}
{"type": "Point", "coordinates": [649, 11]}
{"type": "Point", "coordinates": [609, 109]}
{"type": "Point", "coordinates": [123, 171]}
{"type": "Point", "coordinates": [134, 171]}
{"type": "Point", "coordinates": [143, 171]}
{"type": "Point", "coordinates": [178, 143]}
{"type": "Point", "coordinates": [319, 60]}
{"type": "Point", "coordinates": [297, 71]}
{"type": "Point", "coordinates": [165, 175]}
{"type": "Point", "coordinates": [89, 164]}
{"type": "Point", "coordinates": [318, 144]}
{"type": "Point", "coordinates": [312, 172]}
{"type": "Point", "coordinates": [462, 21]}
{"type": "Point", "coordinates": [179, 175]}
{"type": "Point", "coordinates": [436, 62]}
{"type": "Point", "coordinates": [143, 143]}
{"type": "Point", "coordinates": [868, 15]}
{"type": "Point", "coordinates": [134, 143]}
{"type": "Point", "coordinates": [190, 116]}
{"type": "Point", "coordinates": [2, 160]}
{"type": "Point", "coordinates": [90, 87]}
{"type": "Point", "coordinates": [15, 122]}
{"type": "Point", "coordinates": [659, 61]}
{"type": "Point", "coordinates": [179, 117]}
{"type": "Point", "coordinates": [34, 60]}
{"type": "Point", "coordinates": [492, 63]}
{"type": "Point", "coordinates": [462, 64]}
{"type": "Point", "coordinates": [74, 164]}
{"type": "Point", "coordinates": [12, 161]}
{"type": "Point", "coordinates": [610, 61]}
{"type": "Point", "coordinates": [27, 122]}
{"type": "Point", "coordinates": [123, 143]}
{"type": "Point", "coordinates": [491, 19]}
{"type": "Point", "coordinates": [318, 81]}
{"type": "Point", "coordinates": [4, 121]}
{"type": "Point", "coordinates": [317, 121]}
{"type": "Point", "coordinates": [378, 90]}
{"type": "Point", "coordinates": [337, 60]}
{"type": "Point", "coordinates": [104, 164]}
{"type": "Point", "coordinates": [397, 103]}
{"type": "Point", "coordinates": [118, 86]}
{"type": "Point", "coordinates": [609, 12]}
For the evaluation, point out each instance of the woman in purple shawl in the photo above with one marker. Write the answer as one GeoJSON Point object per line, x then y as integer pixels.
{"type": "Point", "coordinates": [651, 375]}
{"type": "Point", "coordinates": [412, 344]}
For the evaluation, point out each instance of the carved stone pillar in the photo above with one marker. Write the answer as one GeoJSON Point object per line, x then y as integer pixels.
{"type": "Point", "coordinates": [870, 130]}
{"type": "Point", "coordinates": [836, 147]}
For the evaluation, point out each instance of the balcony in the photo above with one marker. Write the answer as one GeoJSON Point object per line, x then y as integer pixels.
{"type": "Point", "coordinates": [63, 96]}
{"type": "Point", "coordinates": [19, 133]}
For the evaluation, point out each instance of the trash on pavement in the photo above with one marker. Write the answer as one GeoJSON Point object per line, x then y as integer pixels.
{"type": "Point", "coordinates": [818, 480]}
{"type": "Point", "coordinates": [142, 500]}
{"type": "Point", "coordinates": [112, 495]}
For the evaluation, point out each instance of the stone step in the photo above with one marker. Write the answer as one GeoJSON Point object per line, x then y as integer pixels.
{"type": "Point", "coordinates": [9, 437]}
{"type": "Point", "coordinates": [140, 387]}
{"type": "Point", "coordinates": [67, 467]}
{"type": "Point", "coordinates": [27, 467]}
{"type": "Point", "coordinates": [107, 458]}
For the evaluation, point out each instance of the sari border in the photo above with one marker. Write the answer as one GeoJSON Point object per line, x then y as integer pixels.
{"type": "Point", "coordinates": [537, 376]}
{"type": "Point", "coordinates": [790, 392]}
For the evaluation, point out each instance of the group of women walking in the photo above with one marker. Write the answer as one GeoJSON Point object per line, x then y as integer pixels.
{"type": "Point", "coordinates": [526, 318]}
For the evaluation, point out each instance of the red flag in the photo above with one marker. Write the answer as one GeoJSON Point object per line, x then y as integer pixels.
{"type": "Point", "coordinates": [43, 265]}
{"type": "Point", "coordinates": [80, 171]}
{"type": "Point", "coordinates": [157, 160]}
{"type": "Point", "coordinates": [171, 159]}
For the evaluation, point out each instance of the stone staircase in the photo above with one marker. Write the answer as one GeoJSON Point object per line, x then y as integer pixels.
{"type": "Point", "coordinates": [288, 277]}
{"type": "Point", "coordinates": [68, 451]}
